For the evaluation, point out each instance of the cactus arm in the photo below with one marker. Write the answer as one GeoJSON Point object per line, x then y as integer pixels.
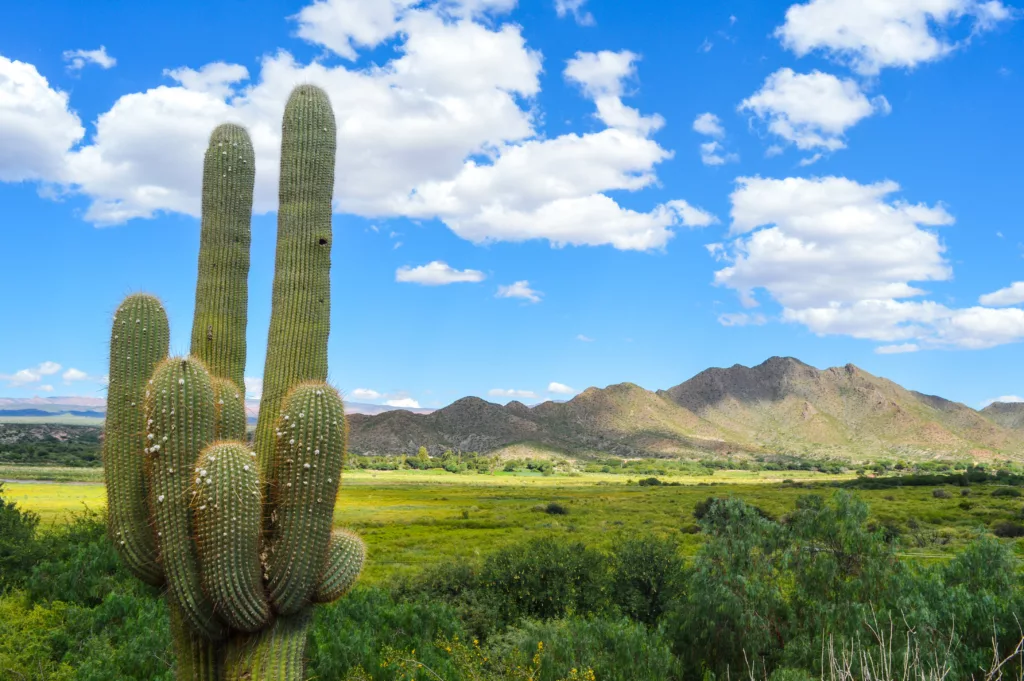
{"type": "Point", "coordinates": [138, 342]}
{"type": "Point", "coordinates": [301, 302]}
{"type": "Point", "coordinates": [226, 507]}
{"type": "Point", "coordinates": [180, 408]}
{"type": "Point", "coordinates": [229, 410]}
{"type": "Point", "coordinates": [345, 558]}
{"type": "Point", "coordinates": [219, 322]}
{"type": "Point", "coordinates": [276, 653]}
{"type": "Point", "coordinates": [197, 659]}
{"type": "Point", "coordinates": [310, 457]}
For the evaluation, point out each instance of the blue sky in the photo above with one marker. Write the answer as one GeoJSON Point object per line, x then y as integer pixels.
{"type": "Point", "coordinates": [535, 197]}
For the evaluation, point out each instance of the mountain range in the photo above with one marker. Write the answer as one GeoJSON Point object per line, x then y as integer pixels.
{"type": "Point", "coordinates": [781, 406]}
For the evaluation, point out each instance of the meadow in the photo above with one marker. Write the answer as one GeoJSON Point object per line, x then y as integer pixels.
{"type": "Point", "coordinates": [413, 519]}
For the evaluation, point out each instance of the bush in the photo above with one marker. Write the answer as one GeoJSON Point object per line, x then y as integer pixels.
{"type": "Point", "coordinates": [649, 482]}
{"type": "Point", "coordinates": [941, 493]}
{"type": "Point", "coordinates": [544, 579]}
{"type": "Point", "coordinates": [555, 508]}
{"type": "Point", "coordinates": [647, 577]}
{"type": "Point", "coordinates": [616, 650]}
{"type": "Point", "coordinates": [1006, 492]}
{"type": "Point", "coordinates": [1008, 529]}
{"type": "Point", "coordinates": [19, 549]}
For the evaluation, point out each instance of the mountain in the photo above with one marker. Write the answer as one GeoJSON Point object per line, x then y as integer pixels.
{"type": "Point", "coordinates": [786, 405]}
{"type": "Point", "coordinates": [1006, 414]}
{"type": "Point", "coordinates": [780, 406]}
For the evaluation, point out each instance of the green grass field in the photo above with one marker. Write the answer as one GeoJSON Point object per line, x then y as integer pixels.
{"type": "Point", "coordinates": [412, 519]}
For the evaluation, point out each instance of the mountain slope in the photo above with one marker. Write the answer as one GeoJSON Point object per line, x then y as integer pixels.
{"type": "Point", "coordinates": [1006, 414]}
{"type": "Point", "coordinates": [784, 404]}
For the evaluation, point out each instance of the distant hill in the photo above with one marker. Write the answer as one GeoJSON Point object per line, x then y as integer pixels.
{"type": "Point", "coordinates": [1006, 414]}
{"type": "Point", "coordinates": [781, 406]}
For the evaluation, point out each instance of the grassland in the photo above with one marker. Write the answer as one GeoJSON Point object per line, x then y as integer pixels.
{"type": "Point", "coordinates": [412, 519]}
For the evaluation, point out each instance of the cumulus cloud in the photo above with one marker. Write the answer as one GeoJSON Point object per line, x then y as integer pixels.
{"type": "Point", "coordinates": [47, 388]}
{"type": "Point", "coordinates": [437, 273]}
{"type": "Point", "coordinates": [575, 9]}
{"type": "Point", "coordinates": [366, 394]}
{"type": "Point", "coordinates": [870, 36]}
{"type": "Point", "coordinates": [77, 59]}
{"type": "Point", "coordinates": [811, 110]}
{"type": "Point", "coordinates": [24, 377]}
{"type": "Point", "coordinates": [253, 388]}
{"type": "Point", "coordinates": [897, 349]}
{"type": "Point", "coordinates": [584, 339]}
{"type": "Point", "coordinates": [709, 124]}
{"type": "Point", "coordinates": [843, 258]}
{"type": "Point", "coordinates": [404, 403]}
{"type": "Point", "coordinates": [446, 128]}
{"type": "Point", "coordinates": [1005, 399]}
{"type": "Point", "coordinates": [1011, 295]}
{"type": "Point", "coordinates": [520, 289]}
{"type": "Point", "coordinates": [560, 389]}
{"type": "Point", "coordinates": [512, 394]}
{"type": "Point", "coordinates": [37, 129]}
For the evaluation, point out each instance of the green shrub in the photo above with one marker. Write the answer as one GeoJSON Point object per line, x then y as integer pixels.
{"type": "Point", "coordinates": [555, 508]}
{"type": "Point", "coordinates": [1008, 529]}
{"type": "Point", "coordinates": [546, 578]}
{"type": "Point", "coordinates": [941, 493]}
{"type": "Point", "coordinates": [616, 650]}
{"type": "Point", "coordinates": [1006, 492]}
{"type": "Point", "coordinates": [647, 577]}
{"type": "Point", "coordinates": [19, 549]}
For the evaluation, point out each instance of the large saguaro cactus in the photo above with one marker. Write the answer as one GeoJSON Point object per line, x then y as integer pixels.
{"type": "Point", "coordinates": [240, 533]}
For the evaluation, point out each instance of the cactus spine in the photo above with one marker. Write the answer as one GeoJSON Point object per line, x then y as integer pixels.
{"type": "Point", "coordinates": [138, 341]}
{"type": "Point", "coordinates": [243, 566]}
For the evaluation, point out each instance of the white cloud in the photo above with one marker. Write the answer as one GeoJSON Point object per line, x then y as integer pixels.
{"type": "Point", "coordinates": [447, 128]}
{"type": "Point", "coordinates": [870, 36]}
{"type": "Point", "coordinates": [437, 273]}
{"type": "Point", "coordinates": [1005, 399]}
{"type": "Point", "coordinates": [575, 8]}
{"type": "Point", "coordinates": [77, 59]}
{"type": "Point", "coordinates": [584, 339]}
{"type": "Point", "coordinates": [513, 394]}
{"type": "Point", "coordinates": [812, 110]}
{"type": "Point", "coordinates": [366, 394]}
{"type": "Point", "coordinates": [841, 258]}
{"type": "Point", "coordinates": [520, 289]}
{"type": "Point", "coordinates": [713, 154]}
{"type": "Point", "coordinates": [48, 368]}
{"type": "Point", "coordinates": [1011, 295]}
{"type": "Point", "coordinates": [253, 388]}
{"type": "Point", "coordinates": [709, 124]}
{"type": "Point", "coordinates": [45, 388]}
{"type": "Point", "coordinates": [560, 389]}
{"type": "Point", "coordinates": [72, 375]}
{"type": "Point", "coordinates": [404, 403]}
{"type": "Point", "coordinates": [742, 319]}
{"type": "Point", "coordinates": [897, 349]}
{"type": "Point", "coordinates": [31, 375]}
{"type": "Point", "coordinates": [36, 126]}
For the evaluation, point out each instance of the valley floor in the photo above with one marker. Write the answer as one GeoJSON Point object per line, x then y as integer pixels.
{"type": "Point", "coordinates": [413, 519]}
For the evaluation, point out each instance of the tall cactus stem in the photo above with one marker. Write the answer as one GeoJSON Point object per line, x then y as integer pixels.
{"type": "Point", "coordinates": [301, 303]}
{"type": "Point", "coordinates": [138, 342]}
{"type": "Point", "coordinates": [229, 410]}
{"type": "Point", "coordinates": [226, 507]}
{"type": "Point", "coordinates": [180, 411]}
{"type": "Point", "coordinates": [197, 658]}
{"type": "Point", "coordinates": [276, 653]}
{"type": "Point", "coordinates": [311, 438]}
{"type": "Point", "coordinates": [222, 291]}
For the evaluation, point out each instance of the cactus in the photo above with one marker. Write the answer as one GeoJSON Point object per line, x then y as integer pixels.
{"type": "Point", "coordinates": [240, 534]}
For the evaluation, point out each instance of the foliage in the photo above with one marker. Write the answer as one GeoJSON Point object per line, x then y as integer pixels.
{"type": "Point", "coordinates": [18, 547]}
{"type": "Point", "coordinates": [647, 577]}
